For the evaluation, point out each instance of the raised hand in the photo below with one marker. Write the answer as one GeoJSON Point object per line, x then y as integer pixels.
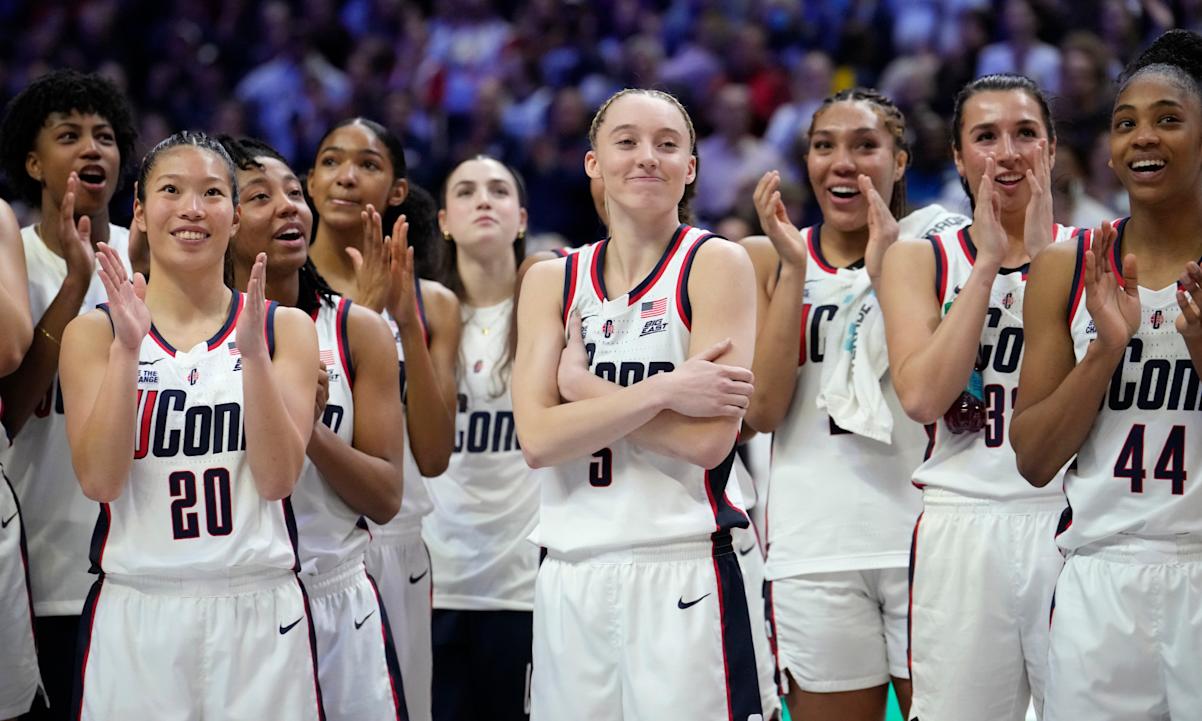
{"type": "Point", "coordinates": [987, 232]}
{"type": "Point", "coordinates": [1114, 308]}
{"type": "Point", "coordinates": [1189, 299]}
{"type": "Point", "coordinates": [702, 388]}
{"type": "Point", "coordinates": [1037, 229]}
{"type": "Point", "coordinates": [127, 301]}
{"type": "Point", "coordinates": [402, 302]}
{"type": "Point", "coordinates": [372, 281]}
{"type": "Point", "coordinates": [785, 236]}
{"type": "Point", "coordinates": [882, 227]}
{"type": "Point", "coordinates": [573, 360]}
{"type": "Point", "coordinates": [75, 238]}
{"type": "Point", "coordinates": [251, 332]}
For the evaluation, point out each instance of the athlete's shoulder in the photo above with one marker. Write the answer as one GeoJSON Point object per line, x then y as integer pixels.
{"type": "Point", "coordinates": [716, 249]}
{"type": "Point", "coordinates": [1058, 259]}
{"type": "Point", "coordinates": [438, 301]}
{"type": "Point", "coordinates": [363, 322]}
{"type": "Point", "coordinates": [929, 220]}
{"type": "Point", "coordinates": [90, 332]}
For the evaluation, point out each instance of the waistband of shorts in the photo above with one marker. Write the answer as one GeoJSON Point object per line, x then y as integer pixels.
{"type": "Point", "coordinates": [229, 585]}
{"type": "Point", "coordinates": [944, 500]}
{"type": "Point", "coordinates": [687, 550]}
{"type": "Point", "coordinates": [1125, 548]}
{"type": "Point", "coordinates": [397, 536]}
{"type": "Point", "coordinates": [345, 575]}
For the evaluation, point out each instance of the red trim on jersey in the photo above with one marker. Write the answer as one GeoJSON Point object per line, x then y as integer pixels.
{"type": "Point", "coordinates": [941, 269]}
{"type": "Point", "coordinates": [342, 318]}
{"type": "Point", "coordinates": [805, 325]}
{"type": "Point", "coordinates": [595, 269]}
{"type": "Point", "coordinates": [421, 308]}
{"type": "Point", "coordinates": [104, 541]}
{"type": "Point", "coordinates": [812, 244]}
{"type": "Point", "coordinates": [910, 605]}
{"type": "Point", "coordinates": [231, 321]}
{"type": "Point", "coordinates": [966, 244]}
{"type": "Point", "coordinates": [89, 610]}
{"type": "Point", "coordinates": [649, 282]}
{"type": "Point", "coordinates": [157, 338]}
{"type": "Point", "coordinates": [1116, 260]}
{"type": "Point", "coordinates": [321, 710]}
{"type": "Point", "coordinates": [684, 308]}
{"type": "Point", "coordinates": [730, 707]}
{"type": "Point", "coordinates": [1078, 287]}
{"type": "Point", "coordinates": [390, 658]}
{"type": "Point", "coordinates": [290, 524]}
{"type": "Point", "coordinates": [569, 284]}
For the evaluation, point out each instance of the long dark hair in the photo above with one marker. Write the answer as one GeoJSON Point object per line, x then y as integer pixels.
{"type": "Point", "coordinates": [313, 289]}
{"type": "Point", "coordinates": [448, 270]}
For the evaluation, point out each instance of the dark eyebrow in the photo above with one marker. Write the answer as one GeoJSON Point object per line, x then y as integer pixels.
{"type": "Point", "coordinates": [631, 126]}
{"type": "Point", "coordinates": [369, 151]}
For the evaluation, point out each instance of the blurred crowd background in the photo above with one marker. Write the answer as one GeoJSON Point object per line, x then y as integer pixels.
{"type": "Point", "coordinates": [520, 80]}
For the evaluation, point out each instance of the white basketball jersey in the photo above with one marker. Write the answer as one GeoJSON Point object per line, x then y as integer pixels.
{"type": "Point", "coordinates": [837, 501]}
{"type": "Point", "coordinates": [330, 532]}
{"type": "Point", "coordinates": [932, 219]}
{"type": "Point", "coordinates": [625, 495]}
{"type": "Point", "coordinates": [58, 517]}
{"type": "Point", "coordinates": [190, 508]}
{"type": "Point", "coordinates": [415, 501]}
{"type": "Point", "coordinates": [486, 504]}
{"type": "Point", "coordinates": [1138, 470]}
{"type": "Point", "coordinates": [982, 465]}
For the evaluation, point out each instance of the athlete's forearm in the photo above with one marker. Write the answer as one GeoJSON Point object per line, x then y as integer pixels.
{"type": "Point", "coordinates": [1047, 434]}
{"type": "Point", "coordinates": [369, 485]}
{"type": "Point", "coordinates": [275, 447]}
{"type": "Point", "coordinates": [103, 451]}
{"type": "Point", "coordinates": [429, 414]}
{"type": "Point", "coordinates": [778, 347]}
{"type": "Point", "coordinates": [25, 387]}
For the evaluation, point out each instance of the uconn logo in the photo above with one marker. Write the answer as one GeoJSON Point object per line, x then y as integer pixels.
{"type": "Point", "coordinates": [168, 427]}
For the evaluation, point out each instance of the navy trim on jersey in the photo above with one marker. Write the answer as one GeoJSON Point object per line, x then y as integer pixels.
{"type": "Point", "coordinates": [598, 269]}
{"type": "Point", "coordinates": [269, 327]}
{"type": "Point", "coordinates": [108, 313]}
{"type": "Point", "coordinates": [815, 248]}
{"type": "Point", "coordinates": [24, 552]}
{"type": "Point", "coordinates": [321, 709]}
{"type": "Point", "coordinates": [561, 252]}
{"type": "Point", "coordinates": [940, 267]}
{"type": "Point", "coordinates": [1078, 285]}
{"type": "Point", "coordinates": [83, 645]}
{"type": "Point", "coordinates": [910, 607]}
{"type": "Point", "coordinates": [970, 249]}
{"type": "Point", "coordinates": [100, 537]}
{"type": "Point", "coordinates": [726, 516]}
{"type": "Point", "coordinates": [421, 307]}
{"type": "Point", "coordinates": [1066, 519]}
{"type": "Point", "coordinates": [770, 619]}
{"type": "Point", "coordinates": [569, 284]}
{"type": "Point", "coordinates": [290, 524]}
{"type": "Point", "coordinates": [395, 679]}
{"type": "Point", "coordinates": [683, 306]}
{"type": "Point", "coordinates": [1116, 260]}
{"type": "Point", "coordinates": [342, 319]}
{"type": "Point", "coordinates": [231, 318]}
{"type": "Point", "coordinates": [738, 648]}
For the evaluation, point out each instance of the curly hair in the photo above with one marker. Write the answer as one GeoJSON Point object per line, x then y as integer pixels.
{"type": "Point", "coordinates": [1176, 54]}
{"type": "Point", "coordinates": [61, 91]}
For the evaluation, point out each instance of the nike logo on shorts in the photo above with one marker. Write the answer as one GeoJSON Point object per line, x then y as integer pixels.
{"type": "Point", "coordinates": [4, 524]}
{"type": "Point", "coordinates": [359, 624]}
{"type": "Point", "coordinates": [289, 627]}
{"type": "Point", "coordinates": [682, 605]}
{"type": "Point", "coordinates": [413, 579]}
{"type": "Point", "coordinates": [749, 549]}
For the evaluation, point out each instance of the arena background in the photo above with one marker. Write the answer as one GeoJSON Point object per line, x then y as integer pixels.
{"type": "Point", "coordinates": [520, 80]}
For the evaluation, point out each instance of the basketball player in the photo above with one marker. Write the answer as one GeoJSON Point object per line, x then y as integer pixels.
{"type": "Point", "coordinates": [65, 142]}
{"type": "Point", "coordinates": [486, 504]}
{"type": "Point", "coordinates": [983, 562]}
{"type": "Point", "coordinates": [190, 406]}
{"type": "Point", "coordinates": [360, 166]}
{"type": "Point", "coordinates": [841, 505]}
{"type": "Point", "coordinates": [1108, 379]}
{"type": "Point", "coordinates": [355, 453]}
{"type": "Point", "coordinates": [639, 606]}
{"type": "Point", "coordinates": [19, 677]}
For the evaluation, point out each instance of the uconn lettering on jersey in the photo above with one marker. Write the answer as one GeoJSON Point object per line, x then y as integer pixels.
{"type": "Point", "coordinates": [625, 373]}
{"type": "Point", "coordinates": [168, 427]}
{"type": "Point", "coordinates": [1162, 383]}
{"type": "Point", "coordinates": [485, 431]}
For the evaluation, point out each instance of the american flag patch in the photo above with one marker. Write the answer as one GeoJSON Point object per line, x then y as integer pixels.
{"type": "Point", "coordinates": [327, 357]}
{"type": "Point", "coordinates": [233, 346]}
{"type": "Point", "coordinates": [653, 308]}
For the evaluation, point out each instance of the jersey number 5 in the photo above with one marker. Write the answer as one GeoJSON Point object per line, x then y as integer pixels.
{"type": "Point", "coordinates": [219, 517]}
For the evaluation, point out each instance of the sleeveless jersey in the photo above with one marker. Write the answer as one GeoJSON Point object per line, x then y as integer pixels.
{"type": "Point", "coordinates": [1138, 470]}
{"type": "Point", "coordinates": [190, 508]}
{"type": "Point", "coordinates": [837, 501]}
{"type": "Point", "coordinates": [486, 504]}
{"type": "Point", "coordinates": [58, 517]}
{"type": "Point", "coordinates": [624, 495]}
{"type": "Point", "coordinates": [330, 532]}
{"type": "Point", "coordinates": [982, 465]}
{"type": "Point", "coordinates": [415, 501]}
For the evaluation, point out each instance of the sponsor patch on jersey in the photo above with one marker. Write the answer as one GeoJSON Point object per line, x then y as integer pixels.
{"type": "Point", "coordinates": [148, 376]}
{"type": "Point", "coordinates": [653, 326]}
{"type": "Point", "coordinates": [653, 308]}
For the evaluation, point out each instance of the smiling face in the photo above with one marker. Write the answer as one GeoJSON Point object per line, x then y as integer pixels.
{"type": "Point", "coordinates": [84, 143]}
{"type": "Point", "coordinates": [187, 213]}
{"type": "Point", "coordinates": [1007, 125]}
{"type": "Point", "coordinates": [642, 154]}
{"type": "Point", "coordinates": [849, 138]}
{"type": "Point", "coordinates": [1156, 138]}
{"type": "Point", "coordinates": [353, 168]}
{"type": "Point", "coordinates": [275, 218]}
{"type": "Point", "coordinates": [482, 211]}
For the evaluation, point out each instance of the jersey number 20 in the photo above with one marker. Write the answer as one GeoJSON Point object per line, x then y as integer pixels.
{"type": "Point", "coordinates": [219, 517]}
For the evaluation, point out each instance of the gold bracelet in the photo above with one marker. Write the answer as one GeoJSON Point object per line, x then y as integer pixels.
{"type": "Point", "coordinates": [52, 338]}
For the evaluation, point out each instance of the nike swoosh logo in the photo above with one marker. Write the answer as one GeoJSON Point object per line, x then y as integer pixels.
{"type": "Point", "coordinates": [359, 624]}
{"type": "Point", "coordinates": [149, 363]}
{"type": "Point", "coordinates": [749, 550]}
{"type": "Point", "coordinates": [682, 605]}
{"type": "Point", "coordinates": [289, 627]}
{"type": "Point", "coordinates": [4, 524]}
{"type": "Point", "coordinates": [415, 580]}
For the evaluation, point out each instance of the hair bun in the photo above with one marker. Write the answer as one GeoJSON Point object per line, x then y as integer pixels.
{"type": "Point", "coordinates": [1177, 48]}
